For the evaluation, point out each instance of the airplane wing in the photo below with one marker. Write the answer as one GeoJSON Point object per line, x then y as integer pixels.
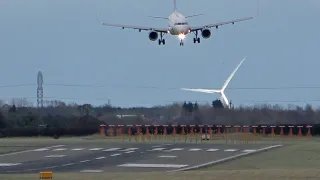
{"type": "Point", "coordinates": [201, 90]}
{"type": "Point", "coordinates": [196, 28]}
{"type": "Point", "coordinates": [163, 30]}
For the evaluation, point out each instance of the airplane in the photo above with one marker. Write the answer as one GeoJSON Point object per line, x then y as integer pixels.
{"type": "Point", "coordinates": [178, 26]}
{"type": "Point", "coordinates": [223, 97]}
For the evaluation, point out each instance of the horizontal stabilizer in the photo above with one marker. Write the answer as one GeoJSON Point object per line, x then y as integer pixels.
{"type": "Point", "coordinates": [194, 15]}
{"type": "Point", "coordinates": [158, 17]}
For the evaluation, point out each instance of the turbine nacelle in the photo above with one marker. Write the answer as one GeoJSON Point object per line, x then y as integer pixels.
{"type": "Point", "coordinates": [206, 33]}
{"type": "Point", "coordinates": [153, 36]}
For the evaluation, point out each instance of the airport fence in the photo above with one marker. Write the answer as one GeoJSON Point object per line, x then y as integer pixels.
{"type": "Point", "coordinates": [196, 133]}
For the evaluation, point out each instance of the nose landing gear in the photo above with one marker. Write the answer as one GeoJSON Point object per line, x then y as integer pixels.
{"type": "Point", "coordinates": [181, 43]}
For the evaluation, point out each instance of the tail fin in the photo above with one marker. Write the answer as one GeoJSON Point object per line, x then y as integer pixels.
{"type": "Point", "coordinates": [175, 5]}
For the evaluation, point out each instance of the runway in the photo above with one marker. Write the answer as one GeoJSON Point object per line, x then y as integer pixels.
{"type": "Point", "coordinates": [119, 158]}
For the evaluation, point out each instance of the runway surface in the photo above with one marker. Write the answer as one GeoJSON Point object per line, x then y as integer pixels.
{"type": "Point", "coordinates": [119, 157]}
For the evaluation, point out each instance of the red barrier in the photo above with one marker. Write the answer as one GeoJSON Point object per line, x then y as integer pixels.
{"type": "Point", "coordinates": [102, 130]}
{"type": "Point", "coordinates": [138, 128]}
{"type": "Point", "coordinates": [272, 130]}
{"type": "Point", "coordinates": [219, 130]}
{"type": "Point", "coordinates": [174, 131]}
{"type": "Point", "coordinates": [290, 131]}
{"type": "Point", "coordinates": [120, 127]}
{"type": "Point", "coordinates": [182, 129]}
{"type": "Point", "coordinates": [155, 129]}
{"type": "Point", "coordinates": [111, 132]}
{"type": "Point", "coordinates": [237, 128]}
{"type": "Point", "coordinates": [129, 130]}
{"type": "Point", "coordinates": [263, 130]}
{"type": "Point", "coordinates": [281, 130]}
{"type": "Point", "coordinates": [255, 130]}
{"type": "Point", "coordinates": [227, 130]}
{"type": "Point", "coordinates": [165, 130]}
{"type": "Point", "coordinates": [192, 130]}
{"type": "Point", "coordinates": [309, 132]}
{"type": "Point", "coordinates": [299, 130]}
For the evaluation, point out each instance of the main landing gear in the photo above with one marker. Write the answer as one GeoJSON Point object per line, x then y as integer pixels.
{"type": "Point", "coordinates": [196, 39]}
{"type": "Point", "coordinates": [161, 40]}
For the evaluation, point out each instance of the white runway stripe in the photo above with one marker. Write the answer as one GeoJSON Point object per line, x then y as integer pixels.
{"type": "Point", "coordinates": [41, 149]}
{"type": "Point", "coordinates": [130, 149]}
{"type": "Point", "coordinates": [55, 156]}
{"type": "Point", "coordinates": [212, 150]}
{"type": "Point", "coordinates": [84, 161]}
{"type": "Point", "coordinates": [127, 152]}
{"type": "Point", "coordinates": [8, 164]}
{"type": "Point", "coordinates": [91, 171]}
{"type": "Point", "coordinates": [59, 149]}
{"type": "Point", "coordinates": [157, 149]}
{"type": "Point", "coordinates": [69, 164]}
{"type": "Point", "coordinates": [230, 150]}
{"type": "Point", "coordinates": [95, 149]}
{"type": "Point", "coordinates": [111, 149]}
{"type": "Point", "coordinates": [115, 154]}
{"type": "Point", "coordinates": [249, 150]}
{"type": "Point", "coordinates": [167, 156]}
{"type": "Point", "coordinates": [176, 149]}
{"type": "Point", "coordinates": [154, 165]}
{"type": "Point", "coordinates": [195, 149]}
{"type": "Point", "coordinates": [100, 157]}
{"type": "Point", "coordinates": [77, 149]}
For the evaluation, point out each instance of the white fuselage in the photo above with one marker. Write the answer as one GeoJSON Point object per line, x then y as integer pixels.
{"type": "Point", "coordinates": [178, 24]}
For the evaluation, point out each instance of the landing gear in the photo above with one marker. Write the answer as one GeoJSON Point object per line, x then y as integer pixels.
{"type": "Point", "coordinates": [161, 40]}
{"type": "Point", "coordinates": [196, 39]}
{"type": "Point", "coordinates": [181, 43]}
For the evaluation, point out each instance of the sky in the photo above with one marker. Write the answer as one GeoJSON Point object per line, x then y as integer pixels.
{"type": "Point", "coordinates": [65, 41]}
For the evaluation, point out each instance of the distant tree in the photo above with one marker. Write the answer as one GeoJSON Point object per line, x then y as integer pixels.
{"type": "Point", "coordinates": [196, 107]}
{"type": "Point", "coordinates": [217, 104]}
{"type": "Point", "coordinates": [13, 109]}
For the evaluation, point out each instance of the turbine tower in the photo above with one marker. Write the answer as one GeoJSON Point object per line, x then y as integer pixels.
{"type": "Point", "coordinates": [223, 97]}
{"type": "Point", "coordinates": [40, 90]}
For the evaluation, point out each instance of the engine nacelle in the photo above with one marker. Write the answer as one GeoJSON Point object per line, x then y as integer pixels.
{"type": "Point", "coordinates": [153, 36]}
{"type": "Point", "coordinates": [206, 33]}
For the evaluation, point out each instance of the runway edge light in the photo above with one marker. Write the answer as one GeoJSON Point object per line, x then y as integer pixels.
{"type": "Point", "coordinates": [46, 175]}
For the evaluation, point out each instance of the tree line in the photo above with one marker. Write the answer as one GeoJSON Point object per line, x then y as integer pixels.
{"type": "Point", "coordinates": [20, 118]}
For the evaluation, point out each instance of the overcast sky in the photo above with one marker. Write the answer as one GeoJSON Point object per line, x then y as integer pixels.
{"type": "Point", "coordinates": [64, 40]}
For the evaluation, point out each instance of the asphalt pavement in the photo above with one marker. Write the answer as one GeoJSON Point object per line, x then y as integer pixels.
{"type": "Point", "coordinates": [119, 157]}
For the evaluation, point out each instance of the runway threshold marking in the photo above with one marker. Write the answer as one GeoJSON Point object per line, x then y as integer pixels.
{"type": "Point", "coordinates": [129, 149]}
{"type": "Point", "coordinates": [59, 149]}
{"type": "Point", "coordinates": [77, 149]}
{"type": "Point", "coordinates": [157, 149]}
{"type": "Point", "coordinates": [19, 152]}
{"type": "Point", "coordinates": [154, 165]}
{"type": "Point", "coordinates": [84, 161]}
{"type": "Point", "coordinates": [95, 149]}
{"type": "Point", "coordinates": [8, 164]}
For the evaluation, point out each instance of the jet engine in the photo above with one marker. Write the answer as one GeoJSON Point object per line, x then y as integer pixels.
{"type": "Point", "coordinates": [206, 33]}
{"type": "Point", "coordinates": [153, 36]}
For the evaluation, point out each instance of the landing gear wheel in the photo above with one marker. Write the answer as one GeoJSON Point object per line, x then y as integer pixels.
{"type": "Point", "coordinates": [163, 41]}
{"type": "Point", "coordinates": [159, 41]}
{"type": "Point", "coordinates": [194, 40]}
{"type": "Point", "coordinates": [198, 40]}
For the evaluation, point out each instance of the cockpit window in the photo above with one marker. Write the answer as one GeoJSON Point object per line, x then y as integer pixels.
{"type": "Point", "coordinates": [185, 23]}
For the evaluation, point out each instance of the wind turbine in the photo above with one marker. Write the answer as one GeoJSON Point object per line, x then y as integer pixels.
{"type": "Point", "coordinates": [223, 97]}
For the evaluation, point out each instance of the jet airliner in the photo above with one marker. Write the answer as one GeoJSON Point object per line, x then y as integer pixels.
{"type": "Point", "coordinates": [178, 26]}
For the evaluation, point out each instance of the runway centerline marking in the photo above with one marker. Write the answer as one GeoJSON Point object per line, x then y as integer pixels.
{"type": "Point", "coordinates": [249, 150]}
{"type": "Point", "coordinates": [212, 150]}
{"type": "Point", "coordinates": [95, 149]}
{"type": "Point", "coordinates": [157, 149]}
{"type": "Point", "coordinates": [154, 165]}
{"type": "Point", "coordinates": [129, 149]}
{"type": "Point", "coordinates": [59, 149]}
{"type": "Point", "coordinates": [195, 149]}
{"type": "Point", "coordinates": [77, 149]}
{"type": "Point", "coordinates": [230, 150]}
{"type": "Point", "coordinates": [84, 161]}
{"type": "Point", "coordinates": [53, 156]}
{"type": "Point", "coordinates": [167, 156]}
